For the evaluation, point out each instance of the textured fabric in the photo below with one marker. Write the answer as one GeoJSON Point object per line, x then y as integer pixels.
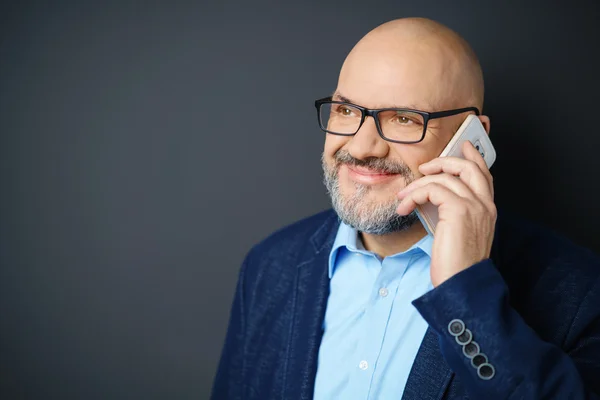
{"type": "Point", "coordinates": [534, 307]}
{"type": "Point", "coordinates": [372, 332]}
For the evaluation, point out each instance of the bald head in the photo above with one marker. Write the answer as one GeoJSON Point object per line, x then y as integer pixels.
{"type": "Point", "coordinates": [414, 62]}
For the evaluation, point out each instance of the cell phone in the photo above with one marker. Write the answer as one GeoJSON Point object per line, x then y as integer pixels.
{"type": "Point", "coordinates": [473, 131]}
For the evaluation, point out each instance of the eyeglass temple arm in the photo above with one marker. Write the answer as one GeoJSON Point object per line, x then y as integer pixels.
{"type": "Point", "coordinates": [442, 114]}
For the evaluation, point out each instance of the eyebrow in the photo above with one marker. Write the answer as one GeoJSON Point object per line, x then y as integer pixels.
{"type": "Point", "coordinates": [338, 96]}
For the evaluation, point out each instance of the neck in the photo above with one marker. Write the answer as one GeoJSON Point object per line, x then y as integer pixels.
{"type": "Point", "coordinates": [393, 243]}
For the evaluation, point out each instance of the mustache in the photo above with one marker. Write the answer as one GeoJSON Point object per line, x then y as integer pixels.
{"type": "Point", "coordinates": [373, 163]}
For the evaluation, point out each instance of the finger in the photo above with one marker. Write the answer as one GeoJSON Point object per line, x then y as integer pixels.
{"type": "Point", "coordinates": [469, 172]}
{"type": "Point", "coordinates": [447, 180]}
{"type": "Point", "coordinates": [433, 193]}
{"type": "Point", "coordinates": [471, 153]}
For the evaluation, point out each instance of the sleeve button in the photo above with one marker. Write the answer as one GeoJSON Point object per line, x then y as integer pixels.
{"type": "Point", "coordinates": [478, 359]}
{"type": "Point", "coordinates": [464, 338]}
{"type": "Point", "coordinates": [471, 349]}
{"type": "Point", "coordinates": [456, 327]}
{"type": "Point", "coordinates": [486, 371]}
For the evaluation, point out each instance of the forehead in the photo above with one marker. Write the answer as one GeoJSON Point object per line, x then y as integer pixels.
{"type": "Point", "coordinates": [410, 76]}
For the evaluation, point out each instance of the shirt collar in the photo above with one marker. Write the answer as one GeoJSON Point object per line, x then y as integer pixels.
{"type": "Point", "coordinates": [348, 237]}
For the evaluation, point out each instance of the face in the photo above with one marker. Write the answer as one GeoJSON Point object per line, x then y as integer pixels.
{"type": "Point", "coordinates": [363, 173]}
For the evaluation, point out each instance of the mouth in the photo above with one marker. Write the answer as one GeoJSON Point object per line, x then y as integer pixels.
{"type": "Point", "coordinates": [368, 176]}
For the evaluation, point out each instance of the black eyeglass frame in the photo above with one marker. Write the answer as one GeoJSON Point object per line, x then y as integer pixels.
{"type": "Point", "coordinates": [365, 112]}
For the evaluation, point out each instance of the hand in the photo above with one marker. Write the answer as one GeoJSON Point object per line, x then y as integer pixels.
{"type": "Point", "coordinates": [464, 193]}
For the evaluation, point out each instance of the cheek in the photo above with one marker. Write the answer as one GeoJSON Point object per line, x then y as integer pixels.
{"type": "Point", "coordinates": [332, 144]}
{"type": "Point", "coordinates": [416, 156]}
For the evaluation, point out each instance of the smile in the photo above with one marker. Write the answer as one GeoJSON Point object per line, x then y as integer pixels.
{"type": "Point", "coordinates": [368, 176]}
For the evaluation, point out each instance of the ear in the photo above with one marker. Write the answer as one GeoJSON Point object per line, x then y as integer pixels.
{"type": "Point", "coordinates": [485, 121]}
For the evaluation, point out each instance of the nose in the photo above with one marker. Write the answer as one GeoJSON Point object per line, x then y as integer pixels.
{"type": "Point", "coordinates": [367, 142]}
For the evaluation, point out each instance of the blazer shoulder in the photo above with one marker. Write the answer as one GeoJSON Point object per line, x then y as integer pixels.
{"type": "Point", "coordinates": [291, 241]}
{"type": "Point", "coordinates": [269, 269]}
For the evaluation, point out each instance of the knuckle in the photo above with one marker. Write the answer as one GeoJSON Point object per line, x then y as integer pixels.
{"type": "Point", "coordinates": [493, 210]}
{"type": "Point", "coordinates": [462, 208]}
{"type": "Point", "coordinates": [480, 208]}
{"type": "Point", "coordinates": [434, 186]}
{"type": "Point", "coordinates": [473, 167]}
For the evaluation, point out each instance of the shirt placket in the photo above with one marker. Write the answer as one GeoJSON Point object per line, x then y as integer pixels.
{"type": "Point", "coordinates": [377, 316]}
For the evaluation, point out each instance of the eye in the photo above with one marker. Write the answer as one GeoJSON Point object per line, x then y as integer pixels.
{"type": "Point", "coordinates": [407, 118]}
{"type": "Point", "coordinates": [345, 111]}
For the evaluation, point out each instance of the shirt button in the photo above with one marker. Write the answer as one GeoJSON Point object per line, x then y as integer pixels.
{"type": "Point", "coordinates": [363, 365]}
{"type": "Point", "coordinates": [383, 292]}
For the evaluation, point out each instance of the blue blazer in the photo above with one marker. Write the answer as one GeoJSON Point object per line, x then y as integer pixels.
{"type": "Point", "coordinates": [533, 308]}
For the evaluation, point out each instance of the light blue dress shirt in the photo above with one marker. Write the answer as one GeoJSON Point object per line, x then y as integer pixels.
{"type": "Point", "coordinates": [372, 332]}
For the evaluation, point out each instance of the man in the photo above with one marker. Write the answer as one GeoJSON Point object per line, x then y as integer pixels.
{"type": "Point", "coordinates": [362, 303]}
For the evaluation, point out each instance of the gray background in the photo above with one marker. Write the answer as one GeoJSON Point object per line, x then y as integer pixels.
{"type": "Point", "coordinates": [145, 148]}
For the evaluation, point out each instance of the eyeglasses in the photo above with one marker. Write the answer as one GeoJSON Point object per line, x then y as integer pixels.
{"type": "Point", "coordinates": [398, 125]}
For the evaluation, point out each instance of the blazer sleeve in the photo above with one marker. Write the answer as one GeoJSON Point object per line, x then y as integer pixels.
{"type": "Point", "coordinates": [228, 382]}
{"type": "Point", "coordinates": [496, 354]}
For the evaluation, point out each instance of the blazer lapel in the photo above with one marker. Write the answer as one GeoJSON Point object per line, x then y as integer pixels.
{"type": "Point", "coordinates": [430, 375]}
{"type": "Point", "coordinates": [310, 302]}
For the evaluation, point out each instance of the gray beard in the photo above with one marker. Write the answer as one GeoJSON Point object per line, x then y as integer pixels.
{"type": "Point", "coordinates": [355, 210]}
